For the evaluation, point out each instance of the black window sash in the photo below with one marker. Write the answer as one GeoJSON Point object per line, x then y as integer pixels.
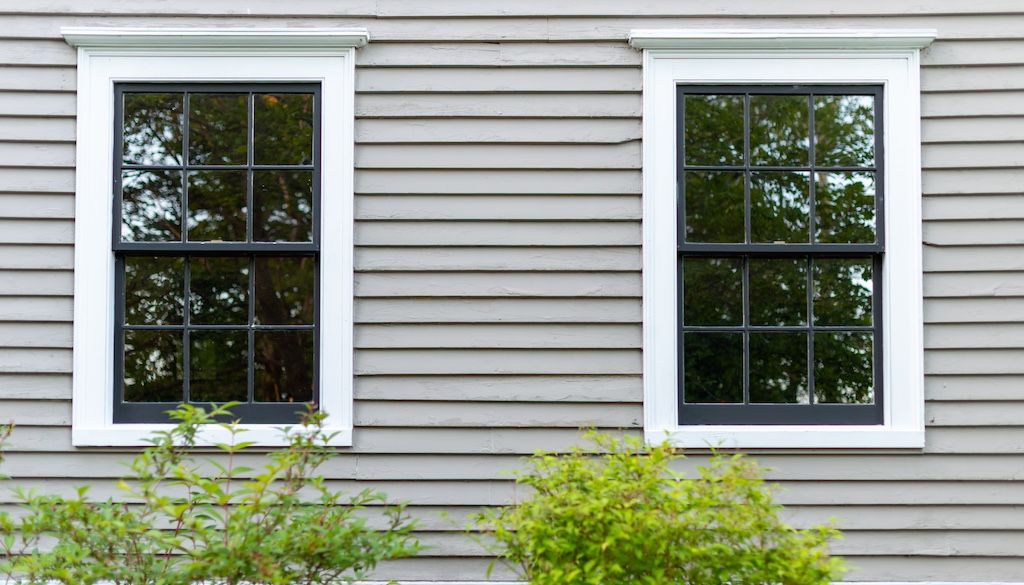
{"type": "Point", "coordinates": [251, 411]}
{"type": "Point", "coordinates": [784, 414]}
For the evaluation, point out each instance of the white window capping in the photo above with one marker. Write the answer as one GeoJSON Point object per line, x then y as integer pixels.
{"type": "Point", "coordinates": [761, 56]}
{"type": "Point", "coordinates": [109, 55]}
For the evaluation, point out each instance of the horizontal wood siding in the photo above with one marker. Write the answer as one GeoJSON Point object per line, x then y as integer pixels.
{"type": "Point", "coordinates": [498, 177]}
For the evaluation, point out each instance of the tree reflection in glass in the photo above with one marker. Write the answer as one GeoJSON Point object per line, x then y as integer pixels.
{"type": "Point", "coordinates": [218, 129]}
{"type": "Point", "coordinates": [714, 206]}
{"type": "Point", "coordinates": [152, 128]}
{"type": "Point", "coordinates": [152, 366]}
{"type": "Point", "coordinates": [779, 207]}
{"type": "Point", "coordinates": [154, 290]}
{"type": "Point", "coordinates": [779, 130]}
{"type": "Point", "coordinates": [778, 291]}
{"type": "Point", "coordinates": [713, 367]}
{"type": "Point", "coordinates": [218, 369]}
{"type": "Point", "coordinates": [284, 366]}
{"type": "Point", "coordinates": [150, 206]}
{"type": "Point", "coordinates": [778, 367]}
{"type": "Point", "coordinates": [845, 207]}
{"type": "Point", "coordinates": [216, 206]}
{"type": "Point", "coordinates": [843, 370]}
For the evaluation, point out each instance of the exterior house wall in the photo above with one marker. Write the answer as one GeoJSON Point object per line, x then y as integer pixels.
{"type": "Point", "coordinates": [498, 180]}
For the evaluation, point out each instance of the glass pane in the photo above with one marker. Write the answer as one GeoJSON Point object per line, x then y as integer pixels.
{"type": "Point", "coordinates": [842, 368]}
{"type": "Point", "coordinates": [285, 290]}
{"type": "Point", "coordinates": [219, 290]}
{"type": "Point", "coordinates": [283, 206]}
{"type": "Point", "coordinates": [778, 368]}
{"type": "Point", "coordinates": [713, 368]}
{"type": "Point", "coordinates": [152, 128]}
{"type": "Point", "coordinates": [714, 130]}
{"type": "Point", "coordinates": [844, 130]}
{"type": "Point", "coordinates": [778, 291]}
{"type": "Point", "coordinates": [218, 370]}
{"type": "Point", "coordinates": [844, 207]}
{"type": "Point", "coordinates": [714, 206]}
{"type": "Point", "coordinates": [284, 366]}
{"type": "Point", "coordinates": [154, 290]}
{"type": "Point", "coordinates": [216, 206]}
{"type": "Point", "coordinates": [779, 130]}
{"type": "Point", "coordinates": [152, 366]}
{"type": "Point", "coordinates": [283, 129]}
{"type": "Point", "coordinates": [712, 291]}
{"type": "Point", "coordinates": [842, 291]}
{"type": "Point", "coordinates": [218, 128]}
{"type": "Point", "coordinates": [780, 207]}
{"type": "Point", "coordinates": [150, 206]}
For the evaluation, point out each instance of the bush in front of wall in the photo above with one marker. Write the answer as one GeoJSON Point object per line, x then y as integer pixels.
{"type": "Point", "coordinates": [191, 519]}
{"type": "Point", "coordinates": [618, 514]}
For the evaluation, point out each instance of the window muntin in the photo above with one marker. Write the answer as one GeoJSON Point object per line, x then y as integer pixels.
{"type": "Point", "coordinates": [780, 244]}
{"type": "Point", "coordinates": [216, 242]}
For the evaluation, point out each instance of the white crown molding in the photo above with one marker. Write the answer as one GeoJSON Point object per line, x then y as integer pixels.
{"type": "Point", "coordinates": [227, 38]}
{"type": "Point", "coordinates": [762, 38]}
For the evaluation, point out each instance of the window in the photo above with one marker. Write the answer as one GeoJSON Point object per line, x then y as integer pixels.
{"type": "Point", "coordinates": [213, 251]}
{"type": "Point", "coordinates": [216, 303]}
{"type": "Point", "coordinates": [780, 258]}
{"type": "Point", "coordinates": [782, 247]}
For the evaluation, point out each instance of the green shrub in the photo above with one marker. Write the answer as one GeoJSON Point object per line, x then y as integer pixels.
{"type": "Point", "coordinates": [193, 519]}
{"type": "Point", "coordinates": [617, 514]}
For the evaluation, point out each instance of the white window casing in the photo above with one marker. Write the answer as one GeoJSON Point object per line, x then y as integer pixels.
{"type": "Point", "coordinates": [110, 55]}
{"type": "Point", "coordinates": [889, 58]}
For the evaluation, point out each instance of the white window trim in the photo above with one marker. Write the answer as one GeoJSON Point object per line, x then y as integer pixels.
{"type": "Point", "coordinates": [109, 55]}
{"type": "Point", "coordinates": [887, 57]}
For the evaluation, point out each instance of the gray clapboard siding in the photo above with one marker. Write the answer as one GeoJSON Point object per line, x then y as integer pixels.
{"type": "Point", "coordinates": [497, 258]}
{"type": "Point", "coordinates": [964, 79]}
{"type": "Point", "coordinates": [490, 361]}
{"type": "Point", "coordinates": [38, 309]}
{"type": "Point", "coordinates": [496, 233]}
{"type": "Point", "coordinates": [967, 207]}
{"type": "Point", "coordinates": [965, 156]}
{"type": "Point", "coordinates": [495, 55]}
{"type": "Point", "coordinates": [972, 181]}
{"type": "Point", "coordinates": [15, 205]}
{"type": "Point", "coordinates": [973, 233]}
{"type": "Point", "coordinates": [550, 388]}
{"type": "Point", "coordinates": [562, 336]}
{"type": "Point", "coordinates": [509, 310]}
{"type": "Point", "coordinates": [36, 256]}
{"type": "Point", "coordinates": [505, 79]}
{"type": "Point", "coordinates": [458, 105]}
{"type": "Point", "coordinates": [974, 284]}
{"type": "Point", "coordinates": [36, 282]}
{"type": "Point", "coordinates": [499, 182]}
{"type": "Point", "coordinates": [458, 8]}
{"type": "Point", "coordinates": [33, 334]}
{"type": "Point", "coordinates": [961, 336]}
{"type": "Point", "coordinates": [490, 130]}
{"type": "Point", "coordinates": [41, 155]}
{"type": "Point", "coordinates": [538, 207]}
{"type": "Point", "coordinates": [35, 231]}
{"type": "Point", "coordinates": [974, 310]}
{"type": "Point", "coordinates": [30, 79]}
{"type": "Point", "coordinates": [497, 284]}
{"type": "Point", "coordinates": [499, 156]}
{"type": "Point", "coordinates": [971, 258]}
{"type": "Point", "coordinates": [993, 129]}
{"type": "Point", "coordinates": [984, 387]}
{"type": "Point", "coordinates": [37, 130]}
{"type": "Point", "coordinates": [48, 53]}
{"type": "Point", "coordinates": [24, 360]}
{"type": "Point", "coordinates": [961, 111]}
{"type": "Point", "coordinates": [50, 386]}
{"type": "Point", "coordinates": [35, 103]}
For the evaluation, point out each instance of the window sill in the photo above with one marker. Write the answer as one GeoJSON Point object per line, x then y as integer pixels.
{"type": "Point", "coordinates": [136, 435]}
{"type": "Point", "coordinates": [787, 437]}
